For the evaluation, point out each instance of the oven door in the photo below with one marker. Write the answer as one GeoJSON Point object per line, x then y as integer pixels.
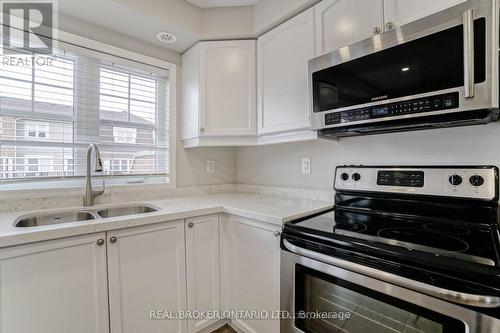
{"type": "Point", "coordinates": [451, 52]}
{"type": "Point", "coordinates": [323, 298]}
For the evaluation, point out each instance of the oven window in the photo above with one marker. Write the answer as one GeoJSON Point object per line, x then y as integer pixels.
{"type": "Point", "coordinates": [427, 64]}
{"type": "Point", "coordinates": [328, 304]}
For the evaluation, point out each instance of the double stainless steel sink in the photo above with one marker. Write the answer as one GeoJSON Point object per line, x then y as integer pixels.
{"type": "Point", "coordinates": [126, 210]}
{"type": "Point", "coordinates": [42, 219]}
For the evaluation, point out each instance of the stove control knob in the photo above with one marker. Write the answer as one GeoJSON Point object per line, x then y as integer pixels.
{"type": "Point", "coordinates": [344, 176]}
{"type": "Point", "coordinates": [476, 180]}
{"type": "Point", "coordinates": [356, 176]}
{"type": "Point", "coordinates": [455, 180]}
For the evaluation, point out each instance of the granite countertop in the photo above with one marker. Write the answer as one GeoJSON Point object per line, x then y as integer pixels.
{"type": "Point", "coordinates": [265, 208]}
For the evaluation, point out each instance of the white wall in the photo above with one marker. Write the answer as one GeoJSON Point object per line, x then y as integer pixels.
{"type": "Point", "coordinates": [227, 23]}
{"type": "Point", "coordinates": [279, 165]}
{"type": "Point", "coordinates": [75, 26]}
{"type": "Point", "coordinates": [192, 163]}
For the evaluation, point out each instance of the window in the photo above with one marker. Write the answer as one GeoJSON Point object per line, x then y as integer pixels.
{"type": "Point", "coordinates": [69, 166]}
{"type": "Point", "coordinates": [129, 119]}
{"type": "Point", "coordinates": [37, 86]}
{"type": "Point", "coordinates": [127, 97]}
{"type": "Point", "coordinates": [36, 130]}
{"type": "Point", "coordinates": [51, 112]}
{"type": "Point", "coordinates": [32, 164]}
{"type": "Point", "coordinates": [124, 134]}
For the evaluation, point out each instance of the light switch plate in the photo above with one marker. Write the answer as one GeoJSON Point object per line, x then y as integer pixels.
{"type": "Point", "coordinates": [306, 165]}
{"type": "Point", "coordinates": [210, 167]}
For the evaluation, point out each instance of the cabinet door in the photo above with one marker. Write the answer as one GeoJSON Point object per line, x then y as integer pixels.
{"type": "Point", "coordinates": [203, 268]}
{"type": "Point", "coordinates": [190, 90]}
{"type": "Point", "coordinates": [282, 63]}
{"type": "Point", "coordinates": [250, 259]}
{"type": "Point", "coordinates": [56, 286]}
{"type": "Point", "coordinates": [146, 267]}
{"type": "Point", "coordinates": [343, 22]}
{"type": "Point", "coordinates": [227, 96]}
{"type": "Point", "coordinates": [404, 11]}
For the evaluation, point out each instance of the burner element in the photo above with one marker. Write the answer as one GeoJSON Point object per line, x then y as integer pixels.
{"type": "Point", "coordinates": [449, 229]}
{"type": "Point", "coordinates": [426, 238]}
{"type": "Point", "coordinates": [349, 226]}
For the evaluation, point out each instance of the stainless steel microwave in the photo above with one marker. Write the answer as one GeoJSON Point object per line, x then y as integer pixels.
{"type": "Point", "coordinates": [439, 71]}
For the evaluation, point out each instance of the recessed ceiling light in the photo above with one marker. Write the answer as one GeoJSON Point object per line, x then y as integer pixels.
{"type": "Point", "coordinates": [166, 37]}
{"type": "Point", "coordinates": [405, 69]}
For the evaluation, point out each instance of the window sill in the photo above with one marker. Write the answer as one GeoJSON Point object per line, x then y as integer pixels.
{"type": "Point", "coordinates": [41, 189]}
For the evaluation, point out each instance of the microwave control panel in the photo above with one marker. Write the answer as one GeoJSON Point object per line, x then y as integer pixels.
{"type": "Point", "coordinates": [420, 105]}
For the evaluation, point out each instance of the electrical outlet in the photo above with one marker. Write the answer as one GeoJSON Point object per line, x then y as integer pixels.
{"type": "Point", "coordinates": [306, 165]}
{"type": "Point", "coordinates": [210, 167]}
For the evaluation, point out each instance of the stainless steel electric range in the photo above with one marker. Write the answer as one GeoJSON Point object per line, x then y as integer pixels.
{"type": "Point", "coordinates": [405, 249]}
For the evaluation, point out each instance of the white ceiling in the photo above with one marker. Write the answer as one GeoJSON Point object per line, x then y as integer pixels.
{"type": "Point", "coordinates": [142, 20]}
{"type": "Point", "coordinates": [222, 3]}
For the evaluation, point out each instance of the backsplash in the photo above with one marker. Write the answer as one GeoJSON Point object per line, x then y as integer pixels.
{"type": "Point", "coordinates": [74, 199]}
{"type": "Point", "coordinates": [280, 165]}
{"type": "Point", "coordinates": [286, 192]}
{"type": "Point", "coordinates": [115, 196]}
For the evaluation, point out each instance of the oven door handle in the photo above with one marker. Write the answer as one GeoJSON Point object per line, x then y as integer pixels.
{"type": "Point", "coordinates": [445, 294]}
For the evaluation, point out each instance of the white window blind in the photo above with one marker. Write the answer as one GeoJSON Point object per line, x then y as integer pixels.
{"type": "Point", "coordinates": [51, 112]}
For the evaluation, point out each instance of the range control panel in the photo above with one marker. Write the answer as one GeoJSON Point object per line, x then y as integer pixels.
{"type": "Point", "coordinates": [427, 104]}
{"type": "Point", "coordinates": [400, 178]}
{"type": "Point", "coordinates": [461, 182]}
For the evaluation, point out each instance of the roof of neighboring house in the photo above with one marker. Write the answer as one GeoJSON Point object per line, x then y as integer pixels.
{"type": "Point", "coordinates": [16, 104]}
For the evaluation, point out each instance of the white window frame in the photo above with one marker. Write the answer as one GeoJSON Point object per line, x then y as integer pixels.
{"type": "Point", "coordinates": [38, 129]}
{"type": "Point", "coordinates": [68, 186]}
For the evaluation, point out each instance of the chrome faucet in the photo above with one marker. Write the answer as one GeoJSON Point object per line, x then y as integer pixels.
{"type": "Point", "coordinates": [90, 193]}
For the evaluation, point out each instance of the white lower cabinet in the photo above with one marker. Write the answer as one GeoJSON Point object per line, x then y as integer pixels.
{"type": "Point", "coordinates": [57, 286]}
{"type": "Point", "coordinates": [146, 271]}
{"type": "Point", "coordinates": [250, 271]}
{"type": "Point", "coordinates": [208, 263]}
{"type": "Point", "coordinates": [203, 268]}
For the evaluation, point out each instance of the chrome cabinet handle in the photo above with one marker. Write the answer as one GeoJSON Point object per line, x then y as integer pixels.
{"type": "Point", "coordinates": [376, 30]}
{"type": "Point", "coordinates": [190, 224]}
{"type": "Point", "coordinates": [469, 53]}
{"type": "Point", "coordinates": [100, 242]}
{"type": "Point", "coordinates": [113, 239]}
{"type": "Point", "coordinates": [448, 295]}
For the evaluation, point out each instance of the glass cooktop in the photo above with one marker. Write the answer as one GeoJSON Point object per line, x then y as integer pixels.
{"type": "Point", "coordinates": [476, 243]}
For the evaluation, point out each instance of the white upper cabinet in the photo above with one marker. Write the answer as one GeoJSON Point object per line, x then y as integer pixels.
{"type": "Point", "coordinates": [147, 272]}
{"type": "Point", "coordinates": [227, 75]}
{"type": "Point", "coordinates": [219, 94]}
{"type": "Point", "coordinates": [400, 12]}
{"type": "Point", "coordinates": [203, 268]}
{"type": "Point", "coordinates": [344, 22]}
{"type": "Point", "coordinates": [57, 286]}
{"type": "Point", "coordinates": [282, 80]}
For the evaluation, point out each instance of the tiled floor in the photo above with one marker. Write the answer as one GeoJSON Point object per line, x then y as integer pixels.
{"type": "Point", "coordinates": [224, 329]}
